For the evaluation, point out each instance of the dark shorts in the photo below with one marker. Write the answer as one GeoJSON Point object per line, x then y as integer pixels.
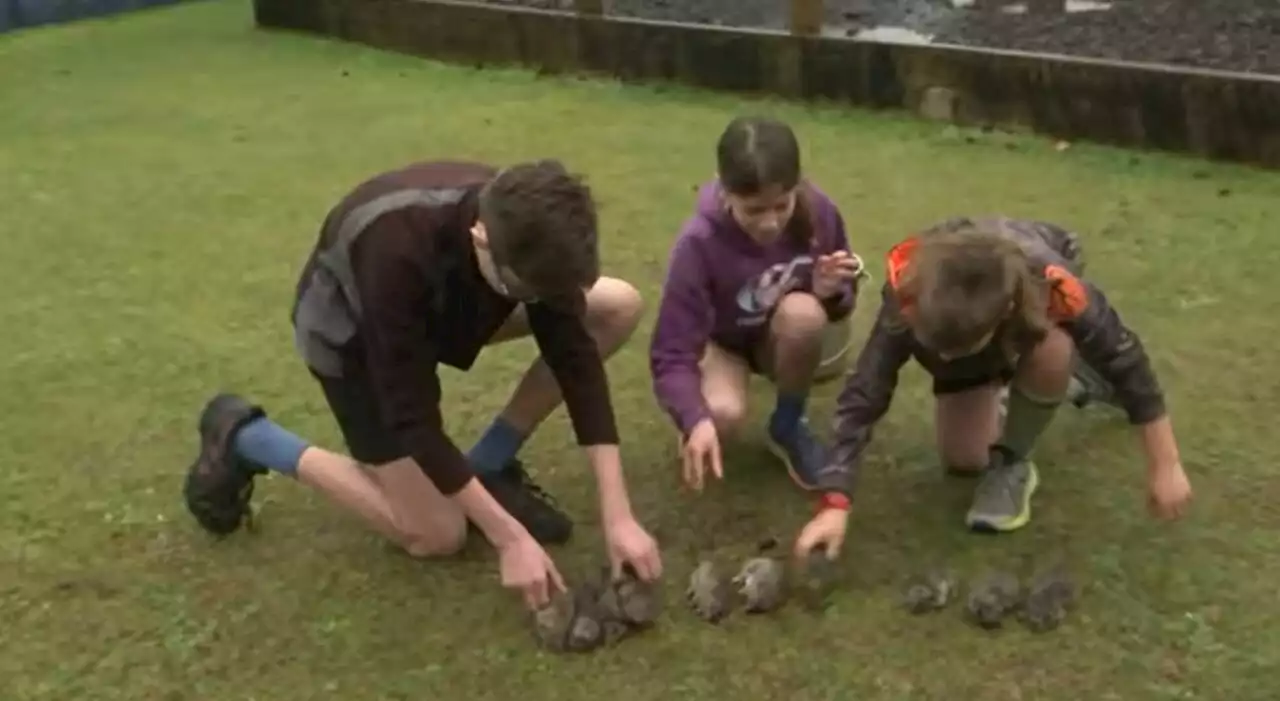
{"type": "Point", "coordinates": [755, 350]}
{"type": "Point", "coordinates": [352, 402]}
{"type": "Point", "coordinates": [956, 385]}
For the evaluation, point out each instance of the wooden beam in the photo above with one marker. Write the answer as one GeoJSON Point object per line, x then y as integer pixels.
{"type": "Point", "coordinates": [806, 17]}
{"type": "Point", "coordinates": [594, 8]}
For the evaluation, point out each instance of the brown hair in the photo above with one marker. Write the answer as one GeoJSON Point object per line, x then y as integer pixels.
{"type": "Point", "coordinates": [964, 281]}
{"type": "Point", "coordinates": [755, 153]}
{"type": "Point", "coordinates": [541, 222]}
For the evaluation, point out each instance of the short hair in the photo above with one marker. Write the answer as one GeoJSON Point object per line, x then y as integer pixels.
{"type": "Point", "coordinates": [541, 223]}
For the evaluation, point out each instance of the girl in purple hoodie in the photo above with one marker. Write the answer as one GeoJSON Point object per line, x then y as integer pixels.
{"type": "Point", "coordinates": [760, 281]}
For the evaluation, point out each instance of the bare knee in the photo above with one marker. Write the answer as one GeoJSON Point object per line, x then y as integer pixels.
{"type": "Point", "coordinates": [1046, 370]}
{"type": "Point", "coordinates": [444, 537]}
{"type": "Point", "coordinates": [967, 424]}
{"type": "Point", "coordinates": [614, 308]}
{"type": "Point", "coordinates": [729, 412]}
{"type": "Point", "coordinates": [799, 318]}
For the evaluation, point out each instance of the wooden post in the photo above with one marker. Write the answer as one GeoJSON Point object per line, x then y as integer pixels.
{"type": "Point", "coordinates": [806, 17]}
{"type": "Point", "coordinates": [594, 8]}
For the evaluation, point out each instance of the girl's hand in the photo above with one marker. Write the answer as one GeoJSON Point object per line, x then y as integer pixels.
{"type": "Point", "coordinates": [1168, 491]}
{"type": "Point", "coordinates": [832, 271]}
{"type": "Point", "coordinates": [701, 454]}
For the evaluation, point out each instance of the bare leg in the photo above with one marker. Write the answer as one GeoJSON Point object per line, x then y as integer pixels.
{"type": "Point", "coordinates": [396, 499]}
{"type": "Point", "coordinates": [1002, 500]}
{"type": "Point", "coordinates": [614, 308]}
{"type": "Point", "coordinates": [967, 423]}
{"type": "Point", "coordinates": [725, 379]}
{"type": "Point", "coordinates": [792, 356]}
{"type": "Point", "coordinates": [795, 343]}
{"type": "Point", "coordinates": [1038, 389]}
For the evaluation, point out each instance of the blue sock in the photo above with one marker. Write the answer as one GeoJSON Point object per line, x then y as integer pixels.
{"type": "Point", "coordinates": [499, 444]}
{"type": "Point", "coordinates": [265, 443]}
{"type": "Point", "coordinates": [787, 414]}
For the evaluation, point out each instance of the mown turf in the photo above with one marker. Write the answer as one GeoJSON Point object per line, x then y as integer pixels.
{"type": "Point", "coordinates": [162, 176]}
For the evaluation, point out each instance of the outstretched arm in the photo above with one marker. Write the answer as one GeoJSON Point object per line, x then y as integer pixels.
{"type": "Point", "coordinates": [685, 320]}
{"type": "Point", "coordinates": [1114, 351]}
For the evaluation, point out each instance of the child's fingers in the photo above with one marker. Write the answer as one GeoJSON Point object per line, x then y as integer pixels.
{"type": "Point", "coordinates": [689, 467]}
{"type": "Point", "coordinates": [557, 581]}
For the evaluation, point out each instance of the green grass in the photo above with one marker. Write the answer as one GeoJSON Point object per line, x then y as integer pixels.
{"type": "Point", "coordinates": [162, 176]}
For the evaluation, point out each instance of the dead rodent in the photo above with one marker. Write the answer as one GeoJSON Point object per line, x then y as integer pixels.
{"type": "Point", "coordinates": [710, 593]}
{"type": "Point", "coordinates": [992, 597]}
{"type": "Point", "coordinates": [597, 613]}
{"type": "Point", "coordinates": [929, 591]}
{"type": "Point", "coordinates": [762, 584]}
{"type": "Point", "coordinates": [625, 604]}
{"type": "Point", "coordinates": [1050, 597]}
{"type": "Point", "coordinates": [567, 623]}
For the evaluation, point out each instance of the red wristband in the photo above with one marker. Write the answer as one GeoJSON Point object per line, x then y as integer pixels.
{"type": "Point", "coordinates": [834, 500]}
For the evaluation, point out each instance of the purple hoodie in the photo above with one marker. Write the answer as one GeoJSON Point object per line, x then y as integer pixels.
{"type": "Point", "coordinates": [722, 285]}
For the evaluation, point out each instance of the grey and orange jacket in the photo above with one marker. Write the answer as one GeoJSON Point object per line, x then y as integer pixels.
{"type": "Point", "coordinates": [1102, 341]}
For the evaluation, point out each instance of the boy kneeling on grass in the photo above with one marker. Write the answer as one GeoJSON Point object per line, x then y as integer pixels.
{"type": "Point", "coordinates": [760, 281]}
{"type": "Point", "coordinates": [982, 304]}
{"type": "Point", "coordinates": [423, 266]}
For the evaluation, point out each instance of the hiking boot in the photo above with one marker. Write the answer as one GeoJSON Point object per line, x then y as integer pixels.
{"type": "Point", "coordinates": [1088, 386]}
{"type": "Point", "coordinates": [529, 504]}
{"type": "Point", "coordinates": [803, 454]}
{"type": "Point", "coordinates": [219, 484]}
{"type": "Point", "coordinates": [1002, 500]}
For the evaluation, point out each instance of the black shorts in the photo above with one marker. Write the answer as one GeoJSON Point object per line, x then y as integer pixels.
{"type": "Point", "coordinates": [354, 406]}
{"type": "Point", "coordinates": [964, 384]}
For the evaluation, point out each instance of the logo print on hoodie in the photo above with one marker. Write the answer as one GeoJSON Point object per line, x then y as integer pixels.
{"type": "Point", "coordinates": [762, 293]}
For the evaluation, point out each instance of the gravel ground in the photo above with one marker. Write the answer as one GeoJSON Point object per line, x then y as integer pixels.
{"type": "Point", "coordinates": [1241, 35]}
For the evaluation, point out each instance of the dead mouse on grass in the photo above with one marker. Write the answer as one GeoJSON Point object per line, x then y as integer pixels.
{"type": "Point", "coordinates": [993, 597]}
{"type": "Point", "coordinates": [762, 583]}
{"type": "Point", "coordinates": [1050, 597]}
{"type": "Point", "coordinates": [930, 591]}
{"type": "Point", "coordinates": [710, 593]}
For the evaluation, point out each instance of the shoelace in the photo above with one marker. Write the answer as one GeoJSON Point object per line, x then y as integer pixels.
{"type": "Point", "coordinates": [517, 471]}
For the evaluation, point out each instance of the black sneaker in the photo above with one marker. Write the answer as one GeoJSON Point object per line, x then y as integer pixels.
{"type": "Point", "coordinates": [1088, 386]}
{"type": "Point", "coordinates": [219, 484]}
{"type": "Point", "coordinates": [529, 504]}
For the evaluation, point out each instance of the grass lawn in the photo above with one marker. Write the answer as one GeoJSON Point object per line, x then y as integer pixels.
{"type": "Point", "coordinates": [162, 176]}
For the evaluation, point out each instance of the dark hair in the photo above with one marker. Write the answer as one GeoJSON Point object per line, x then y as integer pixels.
{"type": "Point", "coordinates": [541, 222]}
{"type": "Point", "coordinates": [964, 281]}
{"type": "Point", "coordinates": [755, 153]}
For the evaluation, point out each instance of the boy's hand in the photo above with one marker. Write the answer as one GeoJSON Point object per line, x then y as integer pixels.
{"type": "Point", "coordinates": [1168, 491]}
{"type": "Point", "coordinates": [527, 568]}
{"type": "Point", "coordinates": [826, 531]}
{"type": "Point", "coordinates": [630, 544]}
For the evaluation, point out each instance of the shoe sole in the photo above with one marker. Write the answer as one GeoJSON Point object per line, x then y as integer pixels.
{"type": "Point", "coordinates": [217, 406]}
{"type": "Point", "coordinates": [979, 525]}
{"type": "Point", "coordinates": [781, 453]}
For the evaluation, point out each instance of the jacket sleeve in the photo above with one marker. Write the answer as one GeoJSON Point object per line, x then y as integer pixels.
{"type": "Point", "coordinates": [402, 362]}
{"type": "Point", "coordinates": [841, 305]}
{"type": "Point", "coordinates": [865, 398]}
{"type": "Point", "coordinates": [1107, 345]}
{"type": "Point", "coordinates": [574, 359]}
{"type": "Point", "coordinates": [680, 335]}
